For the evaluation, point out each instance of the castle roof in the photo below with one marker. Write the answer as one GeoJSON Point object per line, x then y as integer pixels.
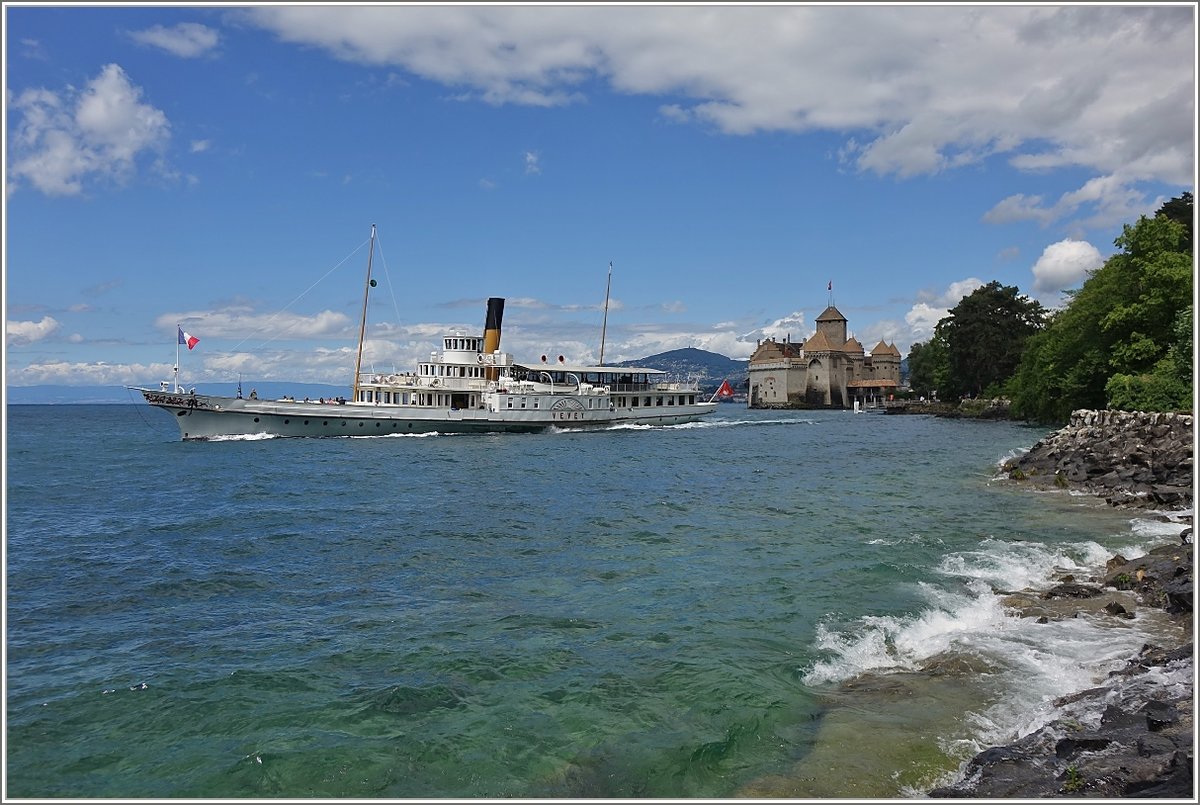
{"type": "Point", "coordinates": [831, 314]}
{"type": "Point", "coordinates": [818, 343]}
{"type": "Point", "coordinates": [773, 350]}
{"type": "Point", "coordinates": [883, 349]}
{"type": "Point", "coordinates": [852, 345]}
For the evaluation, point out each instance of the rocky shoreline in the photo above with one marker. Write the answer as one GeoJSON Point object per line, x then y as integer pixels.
{"type": "Point", "coordinates": [1133, 736]}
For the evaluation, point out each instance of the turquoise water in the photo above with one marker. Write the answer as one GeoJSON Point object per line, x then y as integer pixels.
{"type": "Point", "coordinates": [798, 604]}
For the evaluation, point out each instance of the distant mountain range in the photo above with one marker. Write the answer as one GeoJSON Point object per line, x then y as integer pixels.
{"type": "Point", "coordinates": [709, 368]}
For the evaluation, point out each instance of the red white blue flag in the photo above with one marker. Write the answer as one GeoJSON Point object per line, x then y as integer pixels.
{"type": "Point", "coordinates": [190, 340]}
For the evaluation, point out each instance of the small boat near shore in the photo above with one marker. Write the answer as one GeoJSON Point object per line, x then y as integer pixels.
{"type": "Point", "coordinates": [468, 386]}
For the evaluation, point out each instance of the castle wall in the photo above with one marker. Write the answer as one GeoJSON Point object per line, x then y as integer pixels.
{"type": "Point", "coordinates": [778, 383]}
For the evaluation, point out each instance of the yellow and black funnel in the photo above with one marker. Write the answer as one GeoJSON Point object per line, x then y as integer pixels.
{"type": "Point", "coordinates": [491, 333]}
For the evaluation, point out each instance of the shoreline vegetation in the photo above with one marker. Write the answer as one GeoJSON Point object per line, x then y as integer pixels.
{"type": "Point", "coordinates": [1134, 735]}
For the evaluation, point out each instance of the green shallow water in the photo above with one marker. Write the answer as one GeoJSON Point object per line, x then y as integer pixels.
{"type": "Point", "coordinates": [725, 609]}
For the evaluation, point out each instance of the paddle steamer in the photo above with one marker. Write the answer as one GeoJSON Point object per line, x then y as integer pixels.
{"type": "Point", "coordinates": [468, 386]}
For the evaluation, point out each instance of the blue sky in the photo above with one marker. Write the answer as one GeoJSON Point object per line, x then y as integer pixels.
{"type": "Point", "coordinates": [220, 168]}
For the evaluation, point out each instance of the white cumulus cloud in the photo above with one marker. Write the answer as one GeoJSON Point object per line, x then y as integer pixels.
{"type": "Point", "coordinates": [791, 325]}
{"type": "Point", "coordinates": [933, 306]}
{"type": "Point", "coordinates": [27, 332]}
{"type": "Point", "coordinates": [1064, 265]}
{"type": "Point", "coordinates": [61, 140]}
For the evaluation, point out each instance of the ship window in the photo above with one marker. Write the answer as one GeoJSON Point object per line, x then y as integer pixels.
{"type": "Point", "coordinates": [658, 401]}
{"type": "Point", "coordinates": [509, 401]}
{"type": "Point", "coordinates": [522, 402]}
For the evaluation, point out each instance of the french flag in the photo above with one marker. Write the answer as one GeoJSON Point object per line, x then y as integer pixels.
{"type": "Point", "coordinates": [190, 340]}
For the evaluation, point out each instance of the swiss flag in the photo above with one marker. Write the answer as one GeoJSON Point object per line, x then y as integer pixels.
{"type": "Point", "coordinates": [726, 390]}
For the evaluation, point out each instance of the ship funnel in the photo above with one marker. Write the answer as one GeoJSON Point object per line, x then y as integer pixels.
{"type": "Point", "coordinates": [491, 332]}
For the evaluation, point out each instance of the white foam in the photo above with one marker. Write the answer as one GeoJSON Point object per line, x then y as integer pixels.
{"type": "Point", "coordinates": [734, 423]}
{"type": "Point", "coordinates": [1032, 664]}
{"type": "Point", "coordinates": [1011, 455]}
{"type": "Point", "coordinates": [1023, 565]}
{"type": "Point", "coordinates": [247, 437]}
{"type": "Point", "coordinates": [885, 642]}
{"type": "Point", "coordinates": [1155, 529]}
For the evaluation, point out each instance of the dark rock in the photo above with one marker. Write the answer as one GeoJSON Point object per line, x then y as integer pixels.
{"type": "Point", "coordinates": [1151, 745]}
{"type": "Point", "coordinates": [1116, 561]}
{"type": "Point", "coordinates": [1068, 748]}
{"type": "Point", "coordinates": [1129, 458]}
{"type": "Point", "coordinates": [1071, 590]}
{"type": "Point", "coordinates": [1115, 718]}
{"type": "Point", "coordinates": [1159, 716]}
{"type": "Point", "coordinates": [1090, 693]}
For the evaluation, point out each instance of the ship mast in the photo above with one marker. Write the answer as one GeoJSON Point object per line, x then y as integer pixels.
{"type": "Point", "coordinates": [604, 325]}
{"type": "Point", "coordinates": [362, 328]}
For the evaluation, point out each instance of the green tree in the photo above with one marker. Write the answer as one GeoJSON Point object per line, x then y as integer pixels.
{"type": "Point", "coordinates": [1124, 320]}
{"type": "Point", "coordinates": [985, 336]}
{"type": "Point", "coordinates": [927, 363]}
{"type": "Point", "coordinates": [1168, 387]}
{"type": "Point", "coordinates": [1179, 209]}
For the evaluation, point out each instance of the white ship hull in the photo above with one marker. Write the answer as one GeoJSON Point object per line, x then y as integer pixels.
{"type": "Point", "coordinates": [201, 416]}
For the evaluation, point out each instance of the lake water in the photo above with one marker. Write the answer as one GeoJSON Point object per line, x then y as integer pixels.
{"type": "Point", "coordinates": [802, 604]}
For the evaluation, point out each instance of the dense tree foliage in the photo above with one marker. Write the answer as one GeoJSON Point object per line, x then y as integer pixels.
{"type": "Point", "coordinates": [985, 336]}
{"type": "Point", "coordinates": [927, 366]}
{"type": "Point", "coordinates": [1121, 339]}
{"type": "Point", "coordinates": [1179, 210]}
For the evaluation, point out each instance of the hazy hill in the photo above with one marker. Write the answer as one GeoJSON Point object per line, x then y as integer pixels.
{"type": "Point", "coordinates": [709, 367]}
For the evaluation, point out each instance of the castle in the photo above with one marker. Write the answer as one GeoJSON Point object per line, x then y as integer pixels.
{"type": "Point", "coordinates": [828, 370]}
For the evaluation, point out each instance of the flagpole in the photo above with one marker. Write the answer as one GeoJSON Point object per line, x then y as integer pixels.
{"type": "Point", "coordinates": [178, 328]}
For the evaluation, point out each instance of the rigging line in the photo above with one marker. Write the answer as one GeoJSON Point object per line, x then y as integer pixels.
{"type": "Point", "coordinates": [297, 299]}
{"type": "Point", "coordinates": [388, 275]}
{"type": "Point", "coordinates": [138, 408]}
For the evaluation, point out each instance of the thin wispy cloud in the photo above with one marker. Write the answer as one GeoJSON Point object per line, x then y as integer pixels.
{"type": "Point", "coordinates": [187, 40]}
